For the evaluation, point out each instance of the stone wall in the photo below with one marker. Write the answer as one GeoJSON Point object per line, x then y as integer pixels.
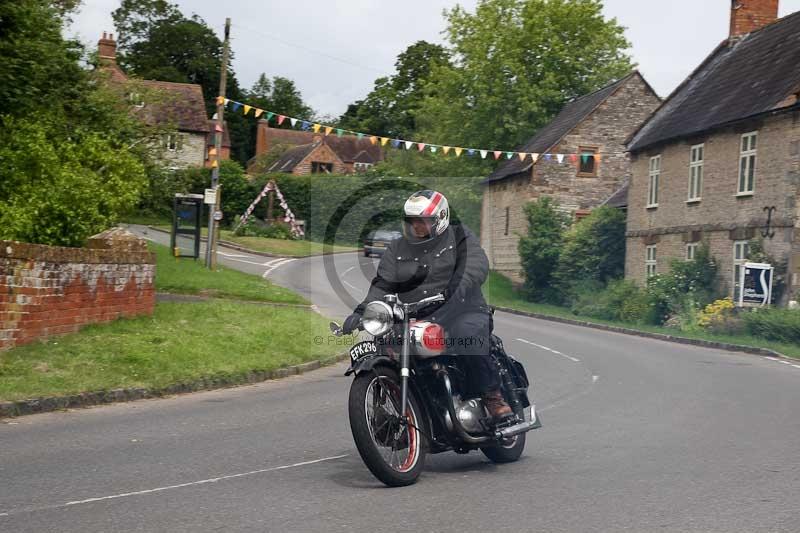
{"type": "Point", "coordinates": [49, 290]}
{"type": "Point", "coordinates": [721, 216]}
{"type": "Point", "coordinates": [606, 130]}
{"type": "Point", "coordinates": [192, 152]}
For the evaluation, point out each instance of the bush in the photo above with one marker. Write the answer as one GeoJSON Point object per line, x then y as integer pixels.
{"type": "Point", "coordinates": [258, 228]}
{"type": "Point", "coordinates": [621, 300]}
{"type": "Point", "coordinates": [540, 249]}
{"type": "Point", "coordinates": [782, 325]}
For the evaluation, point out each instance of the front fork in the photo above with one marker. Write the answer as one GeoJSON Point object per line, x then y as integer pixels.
{"type": "Point", "coordinates": [405, 362]}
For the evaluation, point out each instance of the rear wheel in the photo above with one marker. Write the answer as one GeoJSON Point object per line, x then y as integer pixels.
{"type": "Point", "coordinates": [506, 452]}
{"type": "Point", "coordinates": [392, 450]}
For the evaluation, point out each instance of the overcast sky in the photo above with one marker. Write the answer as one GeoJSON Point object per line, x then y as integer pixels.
{"type": "Point", "coordinates": [335, 49]}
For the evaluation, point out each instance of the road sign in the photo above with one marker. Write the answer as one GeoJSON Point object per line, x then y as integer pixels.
{"type": "Point", "coordinates": [217, 215]}
{"type": "Point", "coordinates": [210, 197]}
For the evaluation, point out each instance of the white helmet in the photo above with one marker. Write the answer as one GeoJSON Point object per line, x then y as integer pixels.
{"type": "Point", "coordinates": [430, 206]}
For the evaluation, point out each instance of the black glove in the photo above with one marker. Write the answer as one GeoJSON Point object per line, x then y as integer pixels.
{"type": "Point", "coordinates": [351, 323]}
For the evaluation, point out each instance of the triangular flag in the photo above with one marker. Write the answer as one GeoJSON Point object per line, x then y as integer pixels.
{"type": "Point", "coordinates": [458, 151]}
{"type": "Point", "coordinates": [220, 100]}
{"type": "Point", "coordinates": [560, 158]}
{"type": "Point", "coordinates": [509, 155]}
{"type": "Point", "coordinates": [433, 149]}
{"type": "Point", "coordinates": [483, 153]}
{"type": "Point", "coordinates": [535, 157]}
{"type": "Point", "coordinates": [247, 109]}
{"type": "Point", "coordinates": [269, 116]}
{"type": "Point", "coordinates": [470, 151]}
{"type": "Point", "coordinates": [384, 140]}
{"type": "Point", "coordinates": [306, 125]}
{"type": "Point", "coordinates": [281, 118]}
{"type": "Point", "coordinates": [547, 157]}
{"type": "Point", "coordinates": [497, 154]}
{"type": "Point", "coordinates": [409, 144]}
{"type": "Point", "coordinates": [214, 164]}
{"type": "Point", "coordinates": [360, 135]}
{"type": "Point", "coordinates": [421, 146]}
{"type": "Point", "coordinates": [446, 149]}
{"type": "Point", "coordinates": [212, 152]}
{"type": "Point", "coordinates": [218, 128]}
{"type": "Point", "coordinates": [258, 112]}
{"type": "Point", "coordinates": [225, 103]}
{"type": "Point", "coordinates": [395, 143]}
{"type": "Point", "coordinates": [316, 128]}
{"type": "Point", "coordinates": [597, 158]}
{"type": "Point", "coordinates": [236, 106]}
{"type": "Point", "coordinates": [573, 158]}
{"type": "Point", "coordinates": [328, 130]}
{"type": "Point", "coordinates": [522, 156]}
{"type": "Point", "coordinates": [373, 139]}
{"type": "Point", "coordinates": [339, 132]}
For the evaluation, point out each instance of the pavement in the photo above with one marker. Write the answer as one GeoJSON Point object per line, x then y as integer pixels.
{"type": "Point", "coordinates": [639, 435]}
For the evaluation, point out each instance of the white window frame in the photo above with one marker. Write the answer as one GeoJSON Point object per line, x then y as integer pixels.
{"type": "Point", "coordinates": [654, 175]}
{"type": "Point", "coordinates": [691, 250]}
{"type": "Point", "coordinates": [650, 260]}
{"type": "Point", "coordinates": [748, 159]}
{"type": "Point", "coordinates": [741, 249]}
{"type": "Point", "coordinates": [136, 99]}
{"type": "Point", "coordinates": [173, 142]}
{"type": "Point", "coordinates": [696, 159]}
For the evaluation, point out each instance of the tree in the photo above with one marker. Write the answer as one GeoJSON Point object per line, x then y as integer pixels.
{"type": "Point", "coordinates": [516, 62]}
{"type": "Point", "coordinates": [391, 107]}
{"type": "Point", "coordinates": [540, 248]}
{"type": "Point", "coordinates": [594, 249]}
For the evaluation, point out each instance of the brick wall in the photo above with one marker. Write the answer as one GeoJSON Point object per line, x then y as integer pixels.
{"type": "Point", "coordinates": [606, 130]}
{"type": "Point", "coordinates": [720, 216]}
{"type": "Point", "coordinates": [48, 290]}
{"type": "Point", "coordinates": [321, 154]}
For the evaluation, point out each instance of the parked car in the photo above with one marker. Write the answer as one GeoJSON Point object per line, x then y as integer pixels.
{"type": "Point", "coordinates": [377, 241]}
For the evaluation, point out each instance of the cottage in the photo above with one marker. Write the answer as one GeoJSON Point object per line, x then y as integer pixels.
{"type": "Point", "coordinates": [596, 126]}
{"type": "Point", "coordinates": [314, 153]}
{"type": "Point", "coordinates": [719, 162]}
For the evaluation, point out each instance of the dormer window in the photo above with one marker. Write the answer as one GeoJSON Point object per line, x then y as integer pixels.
{"type": "Point", "coordinates": [136, 99]}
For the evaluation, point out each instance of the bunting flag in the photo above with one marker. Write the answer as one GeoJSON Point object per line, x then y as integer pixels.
{"type": "Point", "coordinates": [398, 143]}
{"type": "Point", "coordinates": [212, 152]}
{"type": "Point", "coordinates": [288, 214]}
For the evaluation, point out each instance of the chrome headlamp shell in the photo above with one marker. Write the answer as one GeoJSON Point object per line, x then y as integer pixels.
{"type": "Point", "coordinates": [377, 318]}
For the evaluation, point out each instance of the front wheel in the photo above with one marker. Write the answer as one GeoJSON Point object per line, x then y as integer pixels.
{"type": "Point", "coordinates": [392, 450]}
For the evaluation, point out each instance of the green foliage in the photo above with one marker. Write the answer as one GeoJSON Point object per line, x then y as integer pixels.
{"type": "Point", "coordinates": [540, 249]}
{"type": "Point", "coordinates": [406, 163]}
{"type": "Point", "coordinates": [60, 191]}
{"type": "Point", "coordinates": [782, 325]}
{"type": "Point", "coordinates": [256, 228]}
{"type": "Point", "coordinates": [620, 301]}
{"type": "Point", "coordinates": [594, 249]}
{"type": "Point", "coordinates": [391, 108]}
{"type": "Point", "coordinates": [516, 62]}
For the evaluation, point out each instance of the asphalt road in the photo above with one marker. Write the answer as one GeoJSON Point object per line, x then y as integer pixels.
{"type": "Point", "coordinates": [639, 435]}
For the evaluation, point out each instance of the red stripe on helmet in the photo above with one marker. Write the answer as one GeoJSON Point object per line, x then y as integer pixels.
{"type": "Point", "coordinates": [435, 201]}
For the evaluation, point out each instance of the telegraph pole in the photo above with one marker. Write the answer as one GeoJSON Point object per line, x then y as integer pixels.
{"type": "Point", "coordinates": [211, 243]}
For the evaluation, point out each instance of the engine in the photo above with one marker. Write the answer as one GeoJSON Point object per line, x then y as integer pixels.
{"type": "Point", "coordinates": [469, 413]}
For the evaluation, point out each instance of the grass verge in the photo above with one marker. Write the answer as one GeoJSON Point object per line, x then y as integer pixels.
{"type": "Point", "coordinates": [187, 276]}
{"type": "Point", "coordinates": [500, 292]}
{"type": "Point", "coordinates": [180, 342]}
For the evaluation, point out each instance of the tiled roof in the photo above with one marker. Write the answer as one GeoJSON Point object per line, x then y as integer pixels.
{"type": "Point", "coordinates": [183, 106]}
{"type": "Point", "coordinates": [619, 198]}
{"type": "Point", "coordinates": [743, 77]}
{"type": "Point", "coordinates": [571, 115]}
{"type": "Point", "coordinates": [348, 147]}
{"type": "Point", "coordinates": [292, 157]}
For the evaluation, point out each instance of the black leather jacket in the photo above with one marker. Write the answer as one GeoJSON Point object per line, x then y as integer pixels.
{"type": "Point", "coordinates": [453, 262]}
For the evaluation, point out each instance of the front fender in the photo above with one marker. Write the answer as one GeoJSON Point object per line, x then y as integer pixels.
{"type": "Point", "coordinates": [368, 363]}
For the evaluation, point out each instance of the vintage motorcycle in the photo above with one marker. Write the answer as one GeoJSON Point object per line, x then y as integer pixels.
{"type": "Point", "coordinates": [406, 368]}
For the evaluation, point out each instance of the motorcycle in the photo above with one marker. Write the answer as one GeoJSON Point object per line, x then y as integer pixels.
{"type": "Point", "coordinates": [409, 396]}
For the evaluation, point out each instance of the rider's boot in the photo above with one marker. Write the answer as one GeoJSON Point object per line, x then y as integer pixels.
{"type": "Point", "coordinates": [497, 406]}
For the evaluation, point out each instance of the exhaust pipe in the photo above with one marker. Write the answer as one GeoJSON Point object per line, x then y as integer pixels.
{"type": "Point", "coordinates": [522, 427]}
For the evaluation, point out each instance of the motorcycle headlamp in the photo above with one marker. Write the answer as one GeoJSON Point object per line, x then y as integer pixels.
{"type": "Point", "coordinates": [377, 318]}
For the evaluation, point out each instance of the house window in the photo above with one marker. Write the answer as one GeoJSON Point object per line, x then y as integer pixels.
{"type": "Point", "coordinates": [173, 142]}
{"type": "Point", "coordinates": [318, 167]}
{"type": "Point", "coordinates": [747, 164]}
{"type": "Point", "coordinates": [691, 250]}
{"type": "Point", "coordinates": [650, 261]}
{"type": "Point", "coordinates": [136, 99]}
{"type": "Point", "coordinates": [587, 166]}
{"type": "Point", "coordinates": [741, 249]}
{"type": "Point", "coordinates": [652, 187]}
{"type": "Point", "coordinates": [362, 167]}
{"type": "Point", "coordinates": [696, 172]}
{"type": "Point", "coordinates": [507, 219]}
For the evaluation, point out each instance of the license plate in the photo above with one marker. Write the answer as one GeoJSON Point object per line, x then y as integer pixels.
{"type": "Point", "coordinates": [363, 349]}
{"type": "Point", "coordinates": [378, 245]}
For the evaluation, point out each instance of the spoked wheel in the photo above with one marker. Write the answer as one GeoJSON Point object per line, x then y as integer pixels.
{"type": "Point", "coordinates": [392, 448]}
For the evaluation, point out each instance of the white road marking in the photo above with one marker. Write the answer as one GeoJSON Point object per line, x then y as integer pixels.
{"type": "Point", "coordinates": [595, 378]}
{"type": "Point", "coordinates": [793, 365]}
{"type": "Point", "coordinates": [348, 270]}
{"type": "Point", "coordinates": [182, 485]}
{"type": "Point", "coordinates": [574, 359]}
{"type": "Point", "coordinates": [233, 255]}
{"type": "Point", "coordinates": [275, 263]}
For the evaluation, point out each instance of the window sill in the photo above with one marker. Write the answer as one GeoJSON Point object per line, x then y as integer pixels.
{"type": "Point", "coordinates": [744, 194]}
{"type": "Point", "coordinates": [651, 206]}
{"type": "Point", "coordinates": [694, 201]}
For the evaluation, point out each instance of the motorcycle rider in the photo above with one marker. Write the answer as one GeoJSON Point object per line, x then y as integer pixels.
{"type": "Point", "coordinates": [435, 257]}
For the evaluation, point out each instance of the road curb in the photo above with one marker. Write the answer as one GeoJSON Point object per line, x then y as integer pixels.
{"type": "Point", "coordinates": [219, 381]}
{"type": "Point", "coordinates": [660, 336]}
{"type": "Point", "coordinates": [240, 248]}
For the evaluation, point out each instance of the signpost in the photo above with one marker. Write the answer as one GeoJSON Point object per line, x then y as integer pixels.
{"type": "Point", "coordinates": [755, 285]}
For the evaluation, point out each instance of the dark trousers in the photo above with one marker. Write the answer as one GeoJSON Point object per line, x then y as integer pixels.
{"type": "Point", "coordinates": [469, 337]}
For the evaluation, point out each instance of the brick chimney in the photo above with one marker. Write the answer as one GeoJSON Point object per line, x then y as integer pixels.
{"type": "Point", "coordinates": [751, 15]}
{"type": "Point", "coordinates": [107, 48]}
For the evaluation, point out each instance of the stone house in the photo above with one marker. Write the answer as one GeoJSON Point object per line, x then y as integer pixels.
{"type": "Point", "coordinates": [314, 153]}
{"type": "Point", "coordinates": [719, 162]}
{"type": "Point", "coordinates": [178, 106]}
{"type": "Point", "coordinates": [596, 126]}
